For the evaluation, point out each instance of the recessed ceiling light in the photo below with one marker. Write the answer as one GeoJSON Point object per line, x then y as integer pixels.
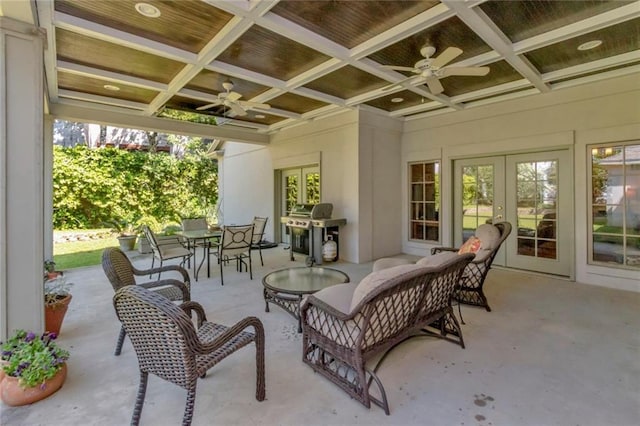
{"type": "Point", "coordinates": [260, 116]}
{"type": "Point", "coordinates": [397, 100]}
{"type": "Point", "coordinates": [111, 87]}
{"type": "Point", "coordinates": [148, 10]}
{"type": "Point", "coordinates": [590, 45]}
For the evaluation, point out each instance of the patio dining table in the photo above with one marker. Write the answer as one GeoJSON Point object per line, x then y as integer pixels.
{"type": "Point", "coordinates": [207, 238]}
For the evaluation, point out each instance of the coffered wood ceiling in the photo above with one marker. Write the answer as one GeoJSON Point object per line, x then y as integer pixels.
{"type": "Point", "coordinates": [308, 59]}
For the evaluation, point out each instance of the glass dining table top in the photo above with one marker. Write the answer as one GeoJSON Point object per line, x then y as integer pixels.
{"type": "Point", "coordinates": [199, 234]}
{"type": "Point", "coordinates": [303, 280]}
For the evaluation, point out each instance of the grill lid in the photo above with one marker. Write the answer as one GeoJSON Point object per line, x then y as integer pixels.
{"type": "Point", "coordinates": [312, 211]}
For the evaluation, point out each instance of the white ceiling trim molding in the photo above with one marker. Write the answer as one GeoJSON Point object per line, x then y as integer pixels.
{"type": "Point", "coordinates": [114, 77]}
{"type": "Point", "coordinates": [97, 99]}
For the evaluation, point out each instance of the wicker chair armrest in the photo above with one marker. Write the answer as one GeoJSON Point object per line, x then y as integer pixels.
{"type": "Point", "coordinates": [436, 250]}
{"type": "Point", "coordinates": [190, 307]}
{"type": "Point", "coordinates": [230, 333]}
{"type": "Point", "coordinates": [186, 293]}
{"type": "Point", "coordinates": [166, 268]}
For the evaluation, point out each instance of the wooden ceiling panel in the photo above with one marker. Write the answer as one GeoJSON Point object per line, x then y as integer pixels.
{"type": "Point", "coordinates": [452, 32]}
{"type": "Point", "coordinates": [347, 82]}
{"type": "Point", "coordinates": [349, 22]}
{"type": "Point", "coordinates": [271, 54]}
{"type": "Point", "coordinates": [100, 54]}
{"type": "Point", "coordinates": [409, 99]}
{"type": "Point", "coordinates": [501, 72]}
{"type": "Point", "coordinates": [211, 82]}
{"type": "Point", "coordinates": [260, 118]}
{"type": "Point", "coordinates": [94, 86]}
{"type": "Point", "coordinates": [186, 24]}
{"type": "Point", "coordinates": [617, 39]}
{"type": "Point", "coordinates": [523, 19]}
{"type": "Point", "coordinates": [296, 103]}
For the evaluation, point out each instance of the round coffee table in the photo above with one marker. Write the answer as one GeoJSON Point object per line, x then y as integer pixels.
{"type": "Point", "coordinates": [286, 287]}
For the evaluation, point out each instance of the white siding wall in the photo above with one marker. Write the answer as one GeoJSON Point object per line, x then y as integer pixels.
{"type": "Point", "coordinates": [605, 111]}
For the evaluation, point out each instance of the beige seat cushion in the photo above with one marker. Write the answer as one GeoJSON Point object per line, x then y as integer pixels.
{"type": "Point", "coordinates": [337, 296]}
{"type": "Point", "coordinates": [376, 281]}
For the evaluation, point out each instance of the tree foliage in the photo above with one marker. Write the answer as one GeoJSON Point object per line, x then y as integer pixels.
{"type": "Point", "coordinates": [92, 187]}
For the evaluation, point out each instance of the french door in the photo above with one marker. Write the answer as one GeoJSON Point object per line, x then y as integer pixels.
{"type": "Point", "coordinates": [531, 191]}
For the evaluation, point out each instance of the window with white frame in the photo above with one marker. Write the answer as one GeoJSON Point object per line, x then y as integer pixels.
{"type": "Point", "coordinates": [615, 205]}
{"type": "Point", "coordinates": [424, 201]}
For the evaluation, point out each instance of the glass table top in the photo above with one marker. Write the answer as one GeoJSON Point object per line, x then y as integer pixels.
{"type": "Point", "coordinates": [303, 280]}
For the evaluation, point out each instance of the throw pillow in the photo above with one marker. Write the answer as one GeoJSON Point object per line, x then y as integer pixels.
{"type": "Point", "coordinates": [472, 245]}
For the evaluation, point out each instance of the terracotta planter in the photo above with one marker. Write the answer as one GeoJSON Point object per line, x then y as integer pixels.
{"type": "Point", "coordinates": [54, 314]}
{"type": "Point", "coordinates": [14, 395]}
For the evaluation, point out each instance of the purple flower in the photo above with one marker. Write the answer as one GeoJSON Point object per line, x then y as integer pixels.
{"type": "Point", "coordinates": [43, 386]}
{"type": "Point", "coordinates": [52, 336]}
{"type": "Point", "coordinates": [30, 337]}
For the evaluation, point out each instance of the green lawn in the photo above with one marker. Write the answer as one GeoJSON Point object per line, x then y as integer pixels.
{"type": "Point", "coordinates": [76, 254]}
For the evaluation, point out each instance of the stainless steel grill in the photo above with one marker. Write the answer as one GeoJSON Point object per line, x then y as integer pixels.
{"type": "Point", "coordinates": [308, 222]}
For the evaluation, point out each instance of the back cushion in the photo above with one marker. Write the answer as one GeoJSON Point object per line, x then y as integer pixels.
{"type": "Point", "coordinates": [472, 245]}
{"type": "Point", "coordinates": [437, 259]}
{"type": "Point", "coordinates": [376, 281]}
{"type": "Point", "coordinates": [489, 235]}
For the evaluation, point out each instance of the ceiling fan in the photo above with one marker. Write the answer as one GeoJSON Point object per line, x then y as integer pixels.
{"type": "Point", "coordinates": [231, 100]}
{"type": "Point", "coordinates": [430, 70]}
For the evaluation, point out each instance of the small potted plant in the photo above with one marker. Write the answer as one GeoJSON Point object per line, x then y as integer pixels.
{"type": "Point", "coordinates": [50, 269]}
{"type": "Point", "coordinates": [33, 367]}
{"type": "Point", "coordinates": [57, 297]}
{"type": "Point", "coordinates": [127, 233]}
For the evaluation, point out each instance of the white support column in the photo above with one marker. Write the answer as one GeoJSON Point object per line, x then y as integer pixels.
{"type": "Point", "coordinates": [21, 177]}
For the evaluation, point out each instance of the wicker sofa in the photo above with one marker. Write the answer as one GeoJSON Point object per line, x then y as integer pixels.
{"type": "Point", "coordinates": [348, 325]}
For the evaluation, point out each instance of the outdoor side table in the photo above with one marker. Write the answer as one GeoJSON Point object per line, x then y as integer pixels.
{"type": "Point", "coordinates": [286, 287]}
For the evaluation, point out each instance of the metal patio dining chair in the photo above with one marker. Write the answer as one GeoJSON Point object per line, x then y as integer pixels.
{"type": "Point", "coordinates": [122, 273]}
{"type": "Point", "coordinates": [167, 249]}
{"type": "Point", "coordinates": [259, 225]}
{"type": "Point", "coordinates": [235, 244]}
{"type": "Point", "coordinates": [169, 346]}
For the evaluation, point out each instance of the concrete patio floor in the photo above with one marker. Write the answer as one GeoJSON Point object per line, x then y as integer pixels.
{"type": "Point", "coordinates": [552, 352]}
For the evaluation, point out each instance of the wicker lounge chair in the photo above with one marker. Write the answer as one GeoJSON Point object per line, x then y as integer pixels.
{"type": "Point", "coordinates": [122, 273]}
{"type": "Point", "coordinates": [168, 344]}
{"type": "Point", "coordinates": [347, 325]}
{"type": "Point", "coordinates": [469, 290]}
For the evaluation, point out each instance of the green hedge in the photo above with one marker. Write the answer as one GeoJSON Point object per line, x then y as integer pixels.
{"type": "Point", "coordinates": [92, 187]}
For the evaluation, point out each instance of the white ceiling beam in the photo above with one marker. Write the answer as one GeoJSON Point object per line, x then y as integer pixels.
{"type": "Point", "coordinates": [494, 90]}
{"type": "Point", "coordinates": [600, 64]}
{"type": "Point", "coordinates": [314, 94]}
{"type": "Point", "coordinates": [479, 22]}
{"type": "Point", "coordinates": [97, 99]}
{"type": "Point", "coordinates": [604, 20]}
{"type": "Point", "coordinates": [418, 23]}
{"type": "Point", "coordinates": [632, 69]}
{"type": "Point", "coordinates": [83, 70]}
{"type": "Point", "coordinates": [121, 38]}
{"type": "Point", "coordinates": [165, 125]}
{"type": "Point", "coordinates": [77, 103]}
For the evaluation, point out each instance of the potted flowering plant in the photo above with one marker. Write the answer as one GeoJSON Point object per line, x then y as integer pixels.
{"type": "Point", "coordinates": [33, 367]}
{"type": "Point", "coordinates": [57, 297]}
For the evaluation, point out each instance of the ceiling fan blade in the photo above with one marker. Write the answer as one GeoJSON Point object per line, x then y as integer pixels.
{"type": "Point", "coordinates": [237, 109]}
{"type": "Point", "coordinates": [398, 68]}
{"type": "Point", "coordinates": [216, 103]}
{"type": "Point", "coordinates": [479, 71]}
{"type": "Point", "coordinates": [435, 87]}
{"type": "Point", "coordinates": [233, 96]}
{"type": "Point", "coordinates": [399, 83]}
{"type": "Point", "coordinates": [445, 57]}
{"type": "Point", "coordinates": [248, 104]}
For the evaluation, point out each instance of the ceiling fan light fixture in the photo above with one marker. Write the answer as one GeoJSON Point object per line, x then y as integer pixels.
{"type": "Point", "coordinates": [148, 10]}
{"type": "Point", "coordinates": [397, 100]}
{"type": "Point", "coordinates": [592, 44]}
